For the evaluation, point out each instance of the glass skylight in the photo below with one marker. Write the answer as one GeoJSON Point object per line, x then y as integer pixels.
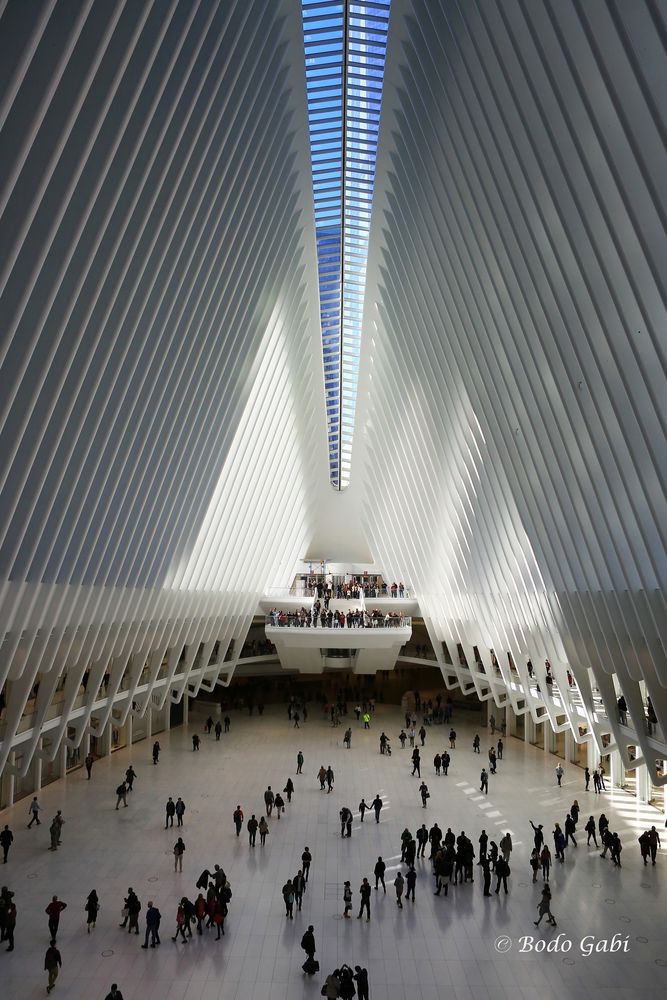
{"type": "Point", "coordinates": [345, 48]}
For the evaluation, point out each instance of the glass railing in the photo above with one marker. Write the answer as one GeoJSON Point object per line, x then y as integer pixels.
{"type": "Point", "coordinates": [357, 619]}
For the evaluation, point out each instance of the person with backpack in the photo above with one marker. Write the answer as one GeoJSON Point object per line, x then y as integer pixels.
{"type": "Point", "coordinates": [288, 897]}
{"type": "Point", "coordinates": [310, 966]}
{"type": "Point", "coordinates": [52, 964]}
{"type": "Point", "coordinates": [121, 795]}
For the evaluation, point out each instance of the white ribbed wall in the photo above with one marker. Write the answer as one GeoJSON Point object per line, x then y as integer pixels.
{"type": "Point", "coordinates": [159, 344]}
{"type": "Point", "coordinates": [515, 399]}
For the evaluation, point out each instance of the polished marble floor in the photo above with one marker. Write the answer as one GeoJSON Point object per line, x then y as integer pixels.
{"type": "Point", "coordinates": [437, 948]}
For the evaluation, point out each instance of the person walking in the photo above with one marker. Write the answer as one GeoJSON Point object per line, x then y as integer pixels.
{"type": "Point", "coordinates": [484, 781]}
{"type": "Point", "coordinates": [452, 739]}
{"type": "Point", "coordinates": [279, 803]}
{"type": "Point", "coordinates": [422, 840]}
{"type": "Point", "coordinates": [34, 810]}
{"type": "Point", "coordinates": [378, 871]}
{"type": "Point", "coordinates": [114, 993]}
{"type": "Point", "coordinates": [53, 911]}
{"type": "Point", "coordinates": [121, 795]}
{"type": "Point", "coordinates": [8, 918]}
{"type": "Point", "coordinates": [411, 882]}
{"type": "Point", "coordinates": [238, 819]}
{"type": "Point", "coordinates": [399, 885]}
{"type": "Point", "coordinates": [288, 897]}
{"type": "Point", "coordinates": [131, 911]}
{"type": "Point", "coordinates": [559, 774]}
{"type": "Point", "coordinates": [179, 851]}
{"type": "Point", "coordinates": [269, 799]}
{"type": "Point", "coordinates": [299, 884]}
{"type": "Point", "coordinates": [252, 827]}
{"type": "Point", "coordinates": [570, 827]}
{"type": "Point", "coordinates": [365, 896]}
{"type": "Point", "coordinates": [130, 775]}
{"type": "Point", "coordinates": [501, 746]}
{"type": "Point", "coordinates": [310, 966]}
{"type": "Point", "coordinates": [590, 830]}
{"type": "Point", "coordinates": [6, 840]}
{"type": "Point", "coordinates": [422, 735]}
{"type": "Point", "coordinates": [156, 752]}
{"type": "Point", "coordinates": [91, 907]}
{"type": "Point", "coordinates": [445, 762]}
{"type": "Point", "coordinates": [330, 778]}
{"type": "Point", "coordinates": [180, 923]}
{"type": "Point", "coordinates": [170, 811]}
{"type": "Point", "coordinates": [263, 831]}
{"type": "Point", "coordinates": [88, 762]}
{"type": "Point", "coordinates": [195, 742]}
{"type": "Point", "coordinates": [476, 743]}
{"type": "Point", "coordinates": [179, 809]}
{"type": "Point", "coordinates": [153, 918]}
{"type": "Point", "coordinates": [654, 842]}
{"type": "Point", "coordinates": [425, 794]}
{"type": "Point", "coordinates": [322, 776]}
{"type": "Point", "coordinates": [306, 859]}
{"type": "Point", "coordinates": [218, 731]}
{"type": "Point", "coordinates": [544, 908]}
{"type": "Point", "coordinates": [587, 778]}
{"type": "Point", "coordinates": [363, 806]}
{"type": "Point", "coordinates": [416, 762]}
{"type": "Point", "coordinates": [52, 964]}
{"type": "Point", "coordinates": [299, 762]}
{"type": "Point", "coordinates": [377, 807]}
{"type": "Point", "coordinates": [289, 789]}
{"type": "Point", "coordinates": [437, 763]}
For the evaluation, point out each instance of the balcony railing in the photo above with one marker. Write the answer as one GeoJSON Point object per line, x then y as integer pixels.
{"type": "Point", "coordinates": [358, 619]}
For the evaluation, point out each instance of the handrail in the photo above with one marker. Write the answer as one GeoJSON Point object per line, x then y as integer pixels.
{"type": "Point", "coordinates": [358, 619]}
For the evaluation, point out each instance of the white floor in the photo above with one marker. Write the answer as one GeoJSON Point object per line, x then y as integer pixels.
{"type": "Point", "coordinates": [436, 948]}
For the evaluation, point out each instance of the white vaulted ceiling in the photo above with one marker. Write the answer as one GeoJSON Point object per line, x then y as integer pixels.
{"type": "Point", "coordinates": [163, 427]}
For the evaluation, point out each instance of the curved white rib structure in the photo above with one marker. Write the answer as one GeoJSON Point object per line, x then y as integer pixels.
{"type": "Point", "coordinates": [516, 390]}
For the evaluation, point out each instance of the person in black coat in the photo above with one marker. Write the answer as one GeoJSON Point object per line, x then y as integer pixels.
{"type": "Point", "coordinates": [310, 966]}
{"type": "Point", "coordinates": [502, 871]}
{"type": "Point", "coordinates": [361, 979]}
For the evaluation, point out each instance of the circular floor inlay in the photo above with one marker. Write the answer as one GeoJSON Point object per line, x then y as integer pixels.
{"type": "Point", "coordinates": [612, 901]}
{"type": "Point", "coordinates": [642, 940]}
{"type": "Point", "coordinates": [32, 875]}
{"type": "Point", "coordinates": [108, 953]}
{"type": "Point", "coordinates": [153, 878]}
{"type": "Point", "coordinates": [523, 884]}
{"type": "Point", "coordinates": [626, 920]}
{"type": "Point", "coordinates": [568, 961]}
{"type": "Point", "coordinates": [596, 885]}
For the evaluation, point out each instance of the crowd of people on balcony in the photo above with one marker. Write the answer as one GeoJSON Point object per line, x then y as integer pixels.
{"type": "Point", "coordinates": [354, 588]}
{"type": "Point", "coordinates": [319, 615]}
